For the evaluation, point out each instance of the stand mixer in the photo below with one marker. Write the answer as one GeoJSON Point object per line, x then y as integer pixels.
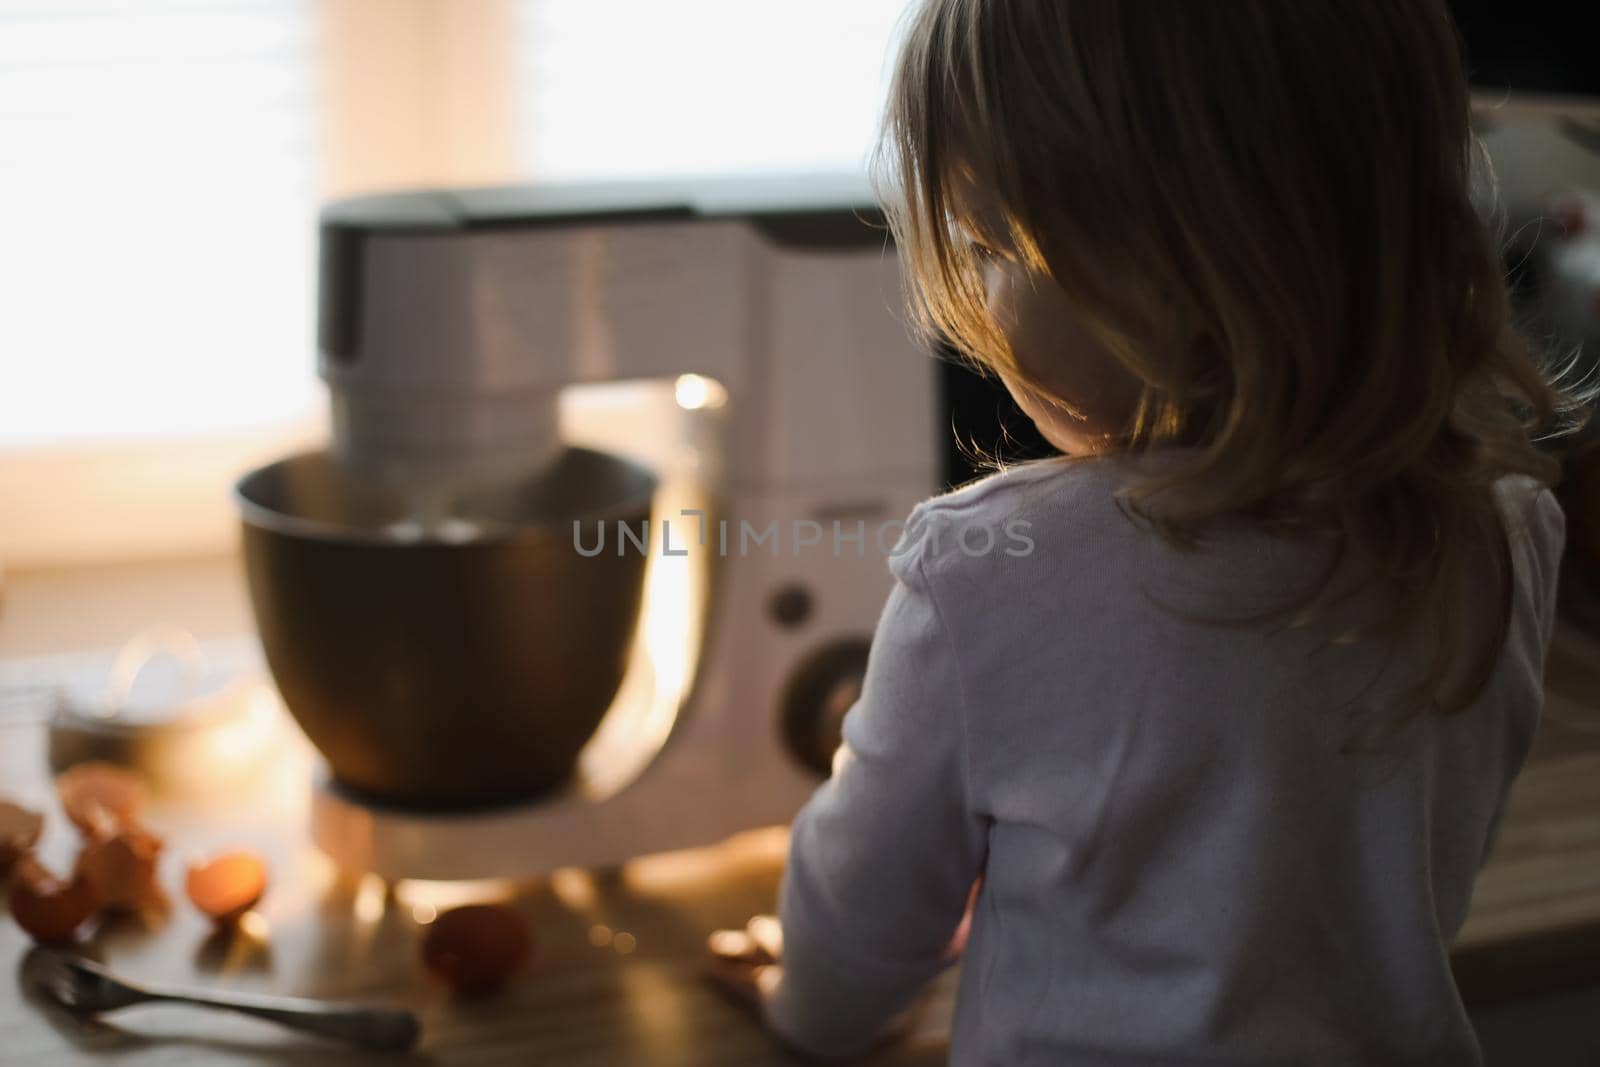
{"type": "Point", "coordinates": [493, 694]}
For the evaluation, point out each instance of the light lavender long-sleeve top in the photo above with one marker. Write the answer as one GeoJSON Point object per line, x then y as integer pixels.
{"type": "Point", "coordinates": [1180, 864]}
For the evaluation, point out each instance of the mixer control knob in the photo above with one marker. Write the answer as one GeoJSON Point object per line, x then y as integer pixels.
{"type": "Point", "coordinates": [822, 688]}
{"type": "Point", "coordinates": [790, 605]}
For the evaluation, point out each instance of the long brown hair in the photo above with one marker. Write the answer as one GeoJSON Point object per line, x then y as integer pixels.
{"type": "Point", "coordinates": [1263, 210]}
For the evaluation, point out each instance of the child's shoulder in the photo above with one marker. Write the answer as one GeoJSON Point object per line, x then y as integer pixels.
{"type": "Point", "coordinates": [1535, 524]}
{"type": "Point", "coordinates": [1059, 478]}
{"type": "Point", "coordinates": [1005, 515]}
{"type": "Point", "coordinates": [1530, 505]}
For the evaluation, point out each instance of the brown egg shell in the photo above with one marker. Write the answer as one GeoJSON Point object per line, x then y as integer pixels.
{"type": "Point", "coordinates": [226, 886]}
{"type": "Point", "coordinates": [120, 868]}
{"type": "Point", "coordinates": [98, 796]}
{"type": "Point", "coordinates": [48, 908]}
{"type": "Point", "coordinates": [477, 948]}
{"type": "Point", "coordinates": [19, 832]}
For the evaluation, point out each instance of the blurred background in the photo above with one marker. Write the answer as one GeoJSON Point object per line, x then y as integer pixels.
{"type": "Point", "coordinates": [162, 162]}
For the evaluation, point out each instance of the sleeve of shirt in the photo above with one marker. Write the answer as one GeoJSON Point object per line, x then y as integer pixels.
{"type": "Point", "coordinates": [882, 858]}
{"type": "Point", "coordinates": [1542, 539]}
{"type": "Point", "coordinates": [1550, 525]}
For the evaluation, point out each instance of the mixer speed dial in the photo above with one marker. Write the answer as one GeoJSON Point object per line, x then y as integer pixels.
{"type": "Point", "coordinates": [824, 686]}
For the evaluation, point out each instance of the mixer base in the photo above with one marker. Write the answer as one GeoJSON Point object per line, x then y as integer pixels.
{"type": "Point", "coordinates": [510, 842]}
{"type": "Point", "coordinates": [567, 829]}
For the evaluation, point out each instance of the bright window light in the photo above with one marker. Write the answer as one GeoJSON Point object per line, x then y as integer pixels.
{"type": "Point", "coordinates": [162, 162]}
{"type": "Point", "coordinates": [642, 88]}
{"type": "Point", "coordinates": [159, 166]}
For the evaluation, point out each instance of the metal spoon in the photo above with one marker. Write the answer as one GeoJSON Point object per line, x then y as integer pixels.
{"type": "Point", "coordinates": [88, 987]}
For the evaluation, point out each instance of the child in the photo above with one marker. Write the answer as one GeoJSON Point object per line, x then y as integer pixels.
{"type": "Point", "coordinates": [1228, 747]}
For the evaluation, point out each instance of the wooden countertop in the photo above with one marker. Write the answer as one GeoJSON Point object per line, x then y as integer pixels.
{"type": "Point", "coordinates": [593, 996]}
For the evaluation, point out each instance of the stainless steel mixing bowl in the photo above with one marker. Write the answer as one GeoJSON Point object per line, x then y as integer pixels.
{"type": "Point", "coordinates": [437, 673]}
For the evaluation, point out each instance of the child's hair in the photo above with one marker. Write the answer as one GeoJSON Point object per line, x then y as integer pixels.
{"type": "Point", "coordinates": [1263, 210]}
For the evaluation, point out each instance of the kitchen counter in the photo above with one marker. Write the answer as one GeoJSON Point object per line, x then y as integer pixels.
{"type": "Point", "coordinates": [616, 977]}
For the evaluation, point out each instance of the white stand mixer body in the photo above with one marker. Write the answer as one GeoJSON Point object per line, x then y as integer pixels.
{"type": "Point", "coordinates": [831, 423]}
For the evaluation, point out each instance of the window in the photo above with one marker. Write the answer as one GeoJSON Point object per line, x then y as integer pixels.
{"type": "Point", "coordinates": [162, 161]}
{"type": "Point", "coordinates": [159, 162]}
{"type": "Point", "coordinates": [638, 89]}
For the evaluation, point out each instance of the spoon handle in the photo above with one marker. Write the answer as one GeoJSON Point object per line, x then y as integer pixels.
{"type": "Point", "coordinates": [374, 1028]}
